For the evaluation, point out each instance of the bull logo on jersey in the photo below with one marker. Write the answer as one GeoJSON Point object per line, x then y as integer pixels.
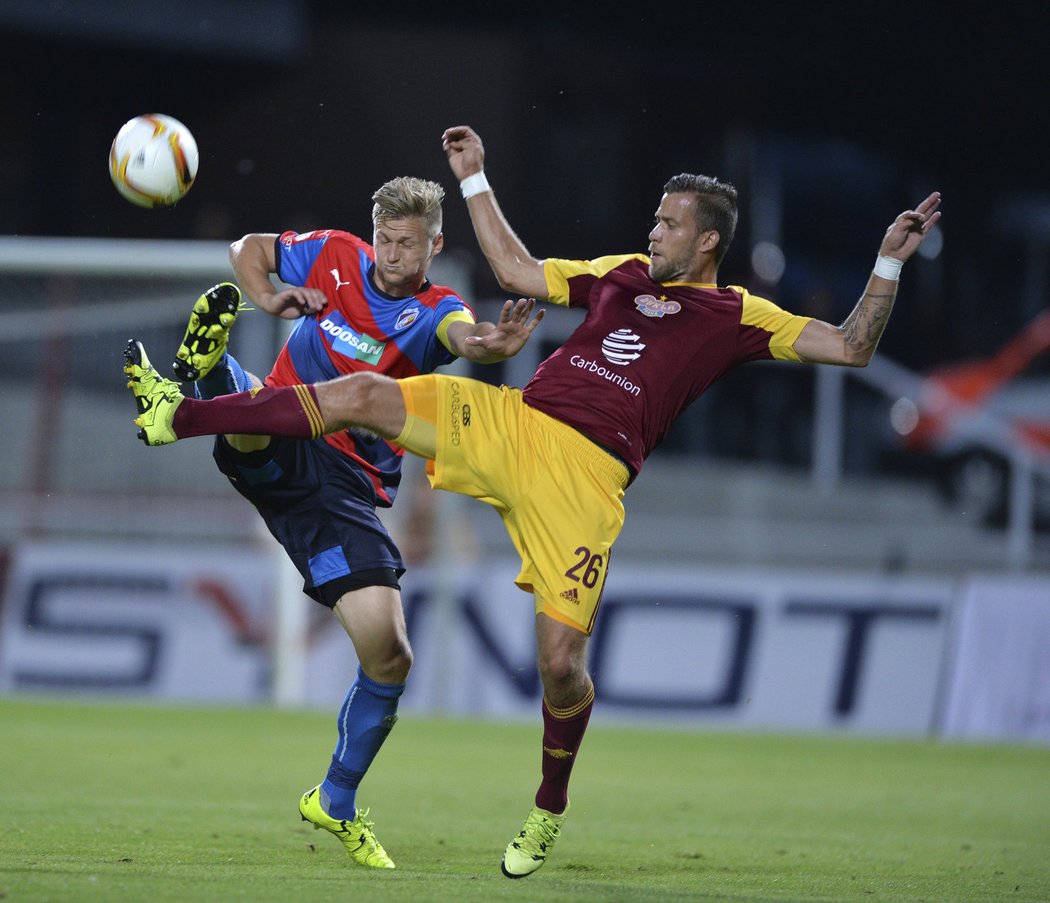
{"type": "Point", "coordinates": [622, 347]}
{"type": "Point", "coordinates": [357, 345]}
{"type": "Point", "coordinates": [656, 307]}
{"type": "Point", "coordinates": [407, 318]}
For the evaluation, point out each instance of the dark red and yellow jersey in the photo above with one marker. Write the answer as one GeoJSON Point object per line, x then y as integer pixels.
{"type": "Point", "coordinates": [646, 350]}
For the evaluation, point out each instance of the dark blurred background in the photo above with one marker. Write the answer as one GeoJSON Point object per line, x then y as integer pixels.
{"type": "Point", "coordinates": [830, 118]}
{"type": "Point", "coordinates": [302, 108]}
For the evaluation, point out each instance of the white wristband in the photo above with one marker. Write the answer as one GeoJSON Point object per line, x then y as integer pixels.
{"type": "Point", "coordinates": [474, 184]}
{"type": "Point", "coordinates": [888, 268]}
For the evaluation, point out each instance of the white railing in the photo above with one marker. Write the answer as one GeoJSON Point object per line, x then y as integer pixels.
{"type": "Point", "coordinates": [111, 256]}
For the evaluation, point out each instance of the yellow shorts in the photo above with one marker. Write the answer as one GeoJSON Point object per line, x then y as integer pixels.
{"type": "Point", "coordinates": [559, 494]}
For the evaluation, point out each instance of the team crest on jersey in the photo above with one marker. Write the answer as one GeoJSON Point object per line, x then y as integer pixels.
{"type": "Point", "coordinates": [656, 307]}
{"type": "Point", "coordinates": [407, 318]}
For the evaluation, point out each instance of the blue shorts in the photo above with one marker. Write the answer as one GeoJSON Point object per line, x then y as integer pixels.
{"type": "Point", "coordinates": [321, 508]}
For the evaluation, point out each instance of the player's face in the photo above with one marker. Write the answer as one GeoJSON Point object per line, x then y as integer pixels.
{"type": "Point", "coordinates": [404, 253]}
{"type": "Point", "coordinates": [675, 249]}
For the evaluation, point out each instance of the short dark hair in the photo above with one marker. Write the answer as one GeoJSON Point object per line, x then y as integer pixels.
{"type": "Point", "coordinates": [715, 206]}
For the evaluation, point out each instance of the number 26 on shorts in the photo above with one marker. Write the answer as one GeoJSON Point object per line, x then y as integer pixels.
{"type": "Point", "coordinates": [587, 569]}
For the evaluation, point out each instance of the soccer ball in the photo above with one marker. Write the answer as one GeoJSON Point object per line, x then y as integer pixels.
{"type": "Point", "coordinates": [153, 160]}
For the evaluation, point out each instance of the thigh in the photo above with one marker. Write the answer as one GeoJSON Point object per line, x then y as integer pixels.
{"type": "Point", "coordinates": [565, 536]}
{"type": "Point", "coordinates": [469, 432]}
{"type": "Point", "coordinates": [566, 525]}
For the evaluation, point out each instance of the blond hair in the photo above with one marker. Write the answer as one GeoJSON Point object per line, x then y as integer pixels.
{"type": "Point", "coordinates": [407, 196]}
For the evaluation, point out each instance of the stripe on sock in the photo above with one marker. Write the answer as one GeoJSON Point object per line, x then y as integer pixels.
{"type": "Point", "coordinates": [311, 409]}
{"type": "Point", "coordinates": [573, 710]}
{"type": "Point", "coordinates": [344, 724]}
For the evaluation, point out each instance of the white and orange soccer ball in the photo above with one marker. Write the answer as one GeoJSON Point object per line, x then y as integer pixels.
{"type": "Point", "coordinates": [153, 160]}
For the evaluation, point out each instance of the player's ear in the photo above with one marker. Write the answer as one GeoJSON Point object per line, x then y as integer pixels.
{"type": "Point", "coordinates": [439, 243]}
{"type": "Point", "coordinates": [709, 240]}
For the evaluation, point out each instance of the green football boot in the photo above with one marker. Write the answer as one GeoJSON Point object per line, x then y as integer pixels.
{"type": "Point", "coordinates": [208, 331]}
{"type": "Point", "coordinates": [529, 850]}
{"type": "Point", "coordinates": [156, 397]}
{"type": "Point", "coordinates": [361, 844]}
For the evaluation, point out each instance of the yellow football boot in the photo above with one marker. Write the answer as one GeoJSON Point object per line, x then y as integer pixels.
{"type": "Point", "coordinates": [361, 844]}
{"type": "Point", "coordinates": [208, 331]}
{"type": "Point", "coordinates": [528, 851]}
{"type": "Point", "coordinates": [156, 397]}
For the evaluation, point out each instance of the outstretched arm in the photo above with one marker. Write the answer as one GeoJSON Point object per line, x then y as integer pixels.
{"type": "Point", "coordinates": [488, 343]}
{"type": "Point", "coordinates": [516, 269]}
{"type": "Point", "coordinates": [853, 343]}
{"type": "Point", "coordinates": [252, 259]}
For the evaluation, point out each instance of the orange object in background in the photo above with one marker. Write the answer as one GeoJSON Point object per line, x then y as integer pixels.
{"type": "Point", "coordinates": [966, 410]}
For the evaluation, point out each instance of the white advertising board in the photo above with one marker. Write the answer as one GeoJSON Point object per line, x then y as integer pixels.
{"type": "Point", "coordinates": [756, 649]}
{"type": "Point", "coordinates": [136, 620]}
{"type": "Point", "coordinates": [689, 645]}
{"type": "Point", "coordinates": [999, 679]}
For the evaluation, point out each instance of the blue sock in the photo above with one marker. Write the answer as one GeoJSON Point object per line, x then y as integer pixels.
{"type": "Point", "coordinates": [367, 716]}
{"type": "Point", "coordinates": [226, 377]}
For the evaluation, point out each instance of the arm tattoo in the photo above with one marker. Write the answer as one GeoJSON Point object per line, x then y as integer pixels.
{"type": "Point", "coordinates": [864, 326]}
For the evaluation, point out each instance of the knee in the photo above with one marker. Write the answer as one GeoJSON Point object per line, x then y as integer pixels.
{"type": "Point", "coordinates": [360, 399]}
{"type": "Point", "coordinates": [364, 392]}
{"type": "Point", "coordinates": [393, 666]}
{"type": "Point", "coordinates": [401, 662]}
{"type": "Point", "coordinates": [559, 668]}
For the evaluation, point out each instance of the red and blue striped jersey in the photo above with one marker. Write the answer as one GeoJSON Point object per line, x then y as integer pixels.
{"type": "Point", "coordinates": [360, 329]}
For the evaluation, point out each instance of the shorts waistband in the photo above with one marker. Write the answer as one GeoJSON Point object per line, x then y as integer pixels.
{"type": "Point", "coordinates": [613, 454]}
{"type": "Point", "coordinates": [610, 462]}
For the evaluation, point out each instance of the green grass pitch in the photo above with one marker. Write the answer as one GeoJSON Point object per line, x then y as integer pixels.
{"type": "Point", "coordinates": [113, 803]}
